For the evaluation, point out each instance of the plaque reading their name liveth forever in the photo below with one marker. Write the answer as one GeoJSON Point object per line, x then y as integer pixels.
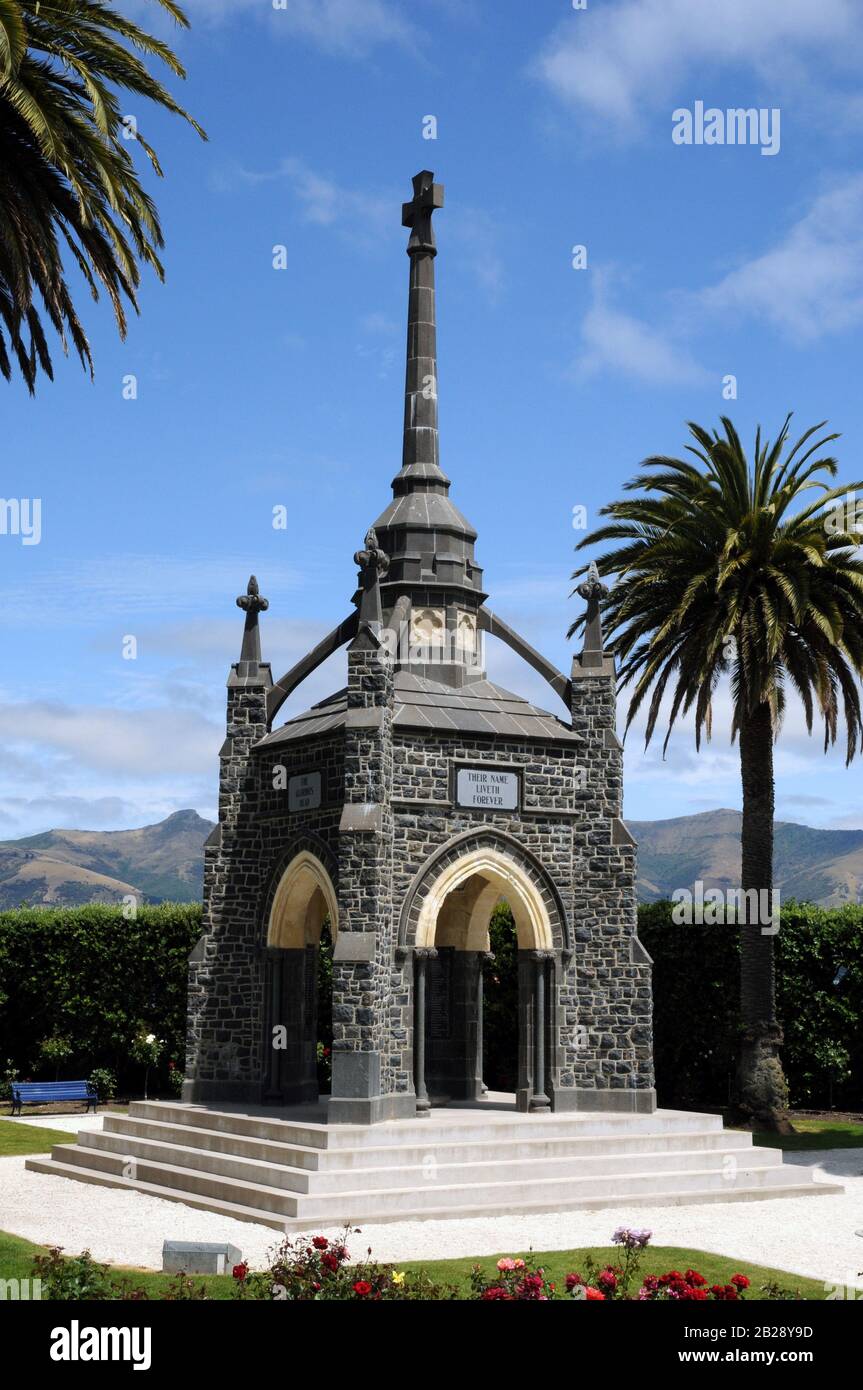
{"type": "Point", "coordinates": [304, 792]}
{"type": "Point", "coordinates": [487, 789]}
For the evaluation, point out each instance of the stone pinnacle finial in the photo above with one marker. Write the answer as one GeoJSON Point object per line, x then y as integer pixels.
{"type": "Point", "coordinates": [593, 591]}
{"type": "Point", "coordinates": [417, 214]}
{"type": "Point", "coordinates": [253, 604]}
{"type": "Point", "coordinates": [373, 563]}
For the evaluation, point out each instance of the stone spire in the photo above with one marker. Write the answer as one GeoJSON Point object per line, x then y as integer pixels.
{"type": "Point", "coordinates": [593, 591]}
{"type": "Point", "coordinates": [429, 542]}
{"type": "Point", "coordinates": [253, 603]}
{"type": "Point", "coordinates": [420, 450]}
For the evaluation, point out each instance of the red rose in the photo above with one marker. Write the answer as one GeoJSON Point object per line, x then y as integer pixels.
{"type": "Point", "coordinates": [496, 1294]}
{"type": "Point", "coordinates": [362, 1289]}
{"type": "Point", "coordinates": [240, 1271]}
{"type": "Point", "coordinates": [573, 1281]}
{"type": "Point", "coordinates": [692, 1277]}
{"type": "Point", "coordinates": [330, 1262]}
{"type": "Point", "coordinates": [740, 1281]}
{"type": "Point", "coordinates": [593, 1294]}
{"type": "Point", "coordinates": [320, 1242]}
{"type": "Point", "coordinates": [607, 1279]}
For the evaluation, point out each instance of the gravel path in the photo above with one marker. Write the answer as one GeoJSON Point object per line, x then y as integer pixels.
{"type": "Point", "coordinates": [808, 1236]}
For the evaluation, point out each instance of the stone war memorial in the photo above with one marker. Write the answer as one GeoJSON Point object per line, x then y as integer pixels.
{"type": "Point", "coordinates": [391, 819]}
{"type": "Point", "coordinates": [400, 811]}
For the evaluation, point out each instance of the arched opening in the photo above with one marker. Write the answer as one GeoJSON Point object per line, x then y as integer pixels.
{"type": "Point", "coordinates": [454, 960]}
{"type": "Point", "coordinates": [303, 914]}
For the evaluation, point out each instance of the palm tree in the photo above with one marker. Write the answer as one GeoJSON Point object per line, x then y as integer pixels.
{"type": "Point", "coordinates": [67, 178]}
{"type": "Point", "coordinates": [717, 576]}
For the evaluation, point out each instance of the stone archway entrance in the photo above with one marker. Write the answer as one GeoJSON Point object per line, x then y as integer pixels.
{"type": "Point", "coordinates": [304, 902]}
{"type": "Point", "coordinates": [452, 948]}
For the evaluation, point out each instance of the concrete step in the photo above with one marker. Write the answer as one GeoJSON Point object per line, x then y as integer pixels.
{"type": "Point", "coordinates": [462, 1126]}
{"type": "Point", "coordinates": [241, 1212]}
{"type": "Point", "coordinates": [385, 1155]}
{"type": "Point", "coordinates": [259, 1185]}
{"type": "Point", "coordinates": [308, 1136]}
{"type": "Point", "coordinates": [195, 1181]}
{"type": "Point", "coordinates": [249, 1170]}
{"type": "Point", "coordinates": [216, 1141]}
{"type": "Point", "coordinates": [401, 1173]}
{"type": "Point", "coordinates": [554, 1193]}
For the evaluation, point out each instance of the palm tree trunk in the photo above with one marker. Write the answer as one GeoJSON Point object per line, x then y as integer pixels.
{"type": "Point", "coordinates": [762, 1094]}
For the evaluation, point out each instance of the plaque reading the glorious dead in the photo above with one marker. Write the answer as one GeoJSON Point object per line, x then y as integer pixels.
{"type": "Point", "coordinates": [487, 789]}
{"type": "Point", "coordinates": [304, 792]}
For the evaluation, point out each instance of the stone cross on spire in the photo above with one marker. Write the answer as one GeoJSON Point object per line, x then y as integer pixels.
{"type": "Point", "coordinates": [417, 214]}
{"type": "Point", "coordinates": [253, 604]}
{"type": "Point", "coordinates": [373, 565]}
{"type": "Point", "coordinates": [593, 591]}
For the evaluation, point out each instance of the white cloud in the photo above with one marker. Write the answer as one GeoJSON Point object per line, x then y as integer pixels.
{"type": "Point", "coordinates": [346, 28]}
{"type": "Point", "coordinates": [615, 60]}
{"type": "Point", "coordinates": [342, 28]}
{"type": "Point", "coordinates": [808, 285]}
{"type": "Point", "coordinates": [355, 213]}
{"type": "Point", "coordinates": [613, 340]}
{"type": "Point", "coordinates": [811, 282]}
{"type": "Point", "coordinates": [131, 586]}
{"type": "Point", "coordinates": [141, 742]}
{"type": "Point", "coordinates": [473, 235]}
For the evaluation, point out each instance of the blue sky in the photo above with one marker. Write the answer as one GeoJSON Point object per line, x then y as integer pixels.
{"type": "Point", "coordinates": [260, 388]}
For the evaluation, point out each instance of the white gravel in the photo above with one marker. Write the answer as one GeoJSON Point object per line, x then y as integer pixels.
{"type": "Point", "coordinates": [809, 1236]}
{"type": "Point", "coordinates": [72, 1123]}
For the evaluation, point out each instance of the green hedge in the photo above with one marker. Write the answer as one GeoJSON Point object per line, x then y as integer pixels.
{"type": "Point", "coordinates": [695, 985]}
{"type": "Point", "coordinates": [89, 975]}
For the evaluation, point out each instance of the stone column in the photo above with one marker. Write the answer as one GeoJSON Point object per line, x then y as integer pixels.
{"type": "Point", "coordinates": [362, 1091]}
{"type": "Point", "coordinates": [225, 1057]}
{"type": "Point", "coordinates": [539, 1100]}
{"type": "Point", "coordinates": [606, 990]}
{"type": "Point", "coordinates": [483, 958]}
{"type": "Point", "coordinates": [422, 955]}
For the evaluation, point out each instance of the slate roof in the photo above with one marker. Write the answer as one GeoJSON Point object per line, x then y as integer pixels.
{"type": "Point", "coordinates": [477, 708]}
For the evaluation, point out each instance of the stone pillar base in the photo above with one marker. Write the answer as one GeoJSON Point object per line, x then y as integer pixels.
{"type": "Point", "coordinates": [370, 1110]}
{"type": "Point", "coordinates": [621, 1102]}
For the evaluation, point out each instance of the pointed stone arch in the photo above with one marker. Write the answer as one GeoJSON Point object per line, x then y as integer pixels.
{"type": "Point", "coordinates": [302, 896]}
{"type": "Point", "coordinates": [488, 865]}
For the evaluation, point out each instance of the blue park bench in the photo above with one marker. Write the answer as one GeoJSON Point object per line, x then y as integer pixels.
{"type": "Point", "coordinates": [47, 1092]}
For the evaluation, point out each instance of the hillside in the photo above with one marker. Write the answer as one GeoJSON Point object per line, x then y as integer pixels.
{"type": "Point", "coordinates": [822, 866]}
{"type": "Point", "coordinates": [165, 862]}
{"type": "Point", "coordinates": [162, 862]}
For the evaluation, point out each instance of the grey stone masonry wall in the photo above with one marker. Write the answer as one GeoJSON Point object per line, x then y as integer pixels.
{"type": "Point", "coordinates": [369, 1080]}
{"type": "Point", "coordinates": [430, 830]}
{"type": "Point", "coordinates": [607, 1017]}
{"type": "Point", "coordinates": [223, 1037]}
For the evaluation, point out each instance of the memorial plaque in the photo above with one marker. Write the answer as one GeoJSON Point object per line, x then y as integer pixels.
{"type": "Point", "coordinates": [439, 997]}
{"type": "Point", "coordinates": [487, 788]}
{"type": "Point", "coordinates": [304, 792]}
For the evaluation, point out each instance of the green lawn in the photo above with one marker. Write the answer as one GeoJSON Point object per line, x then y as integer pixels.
{"type": "Point", "coordinates": [16, 1257]}
{"type": "Point", "coordinates": [815, 1134]}
{"type": "Point", "coordinates": [17, 1138]}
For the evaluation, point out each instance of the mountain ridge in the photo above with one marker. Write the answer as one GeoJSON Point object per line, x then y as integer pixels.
{"type": "Point", "coordinates": [165, 862]}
